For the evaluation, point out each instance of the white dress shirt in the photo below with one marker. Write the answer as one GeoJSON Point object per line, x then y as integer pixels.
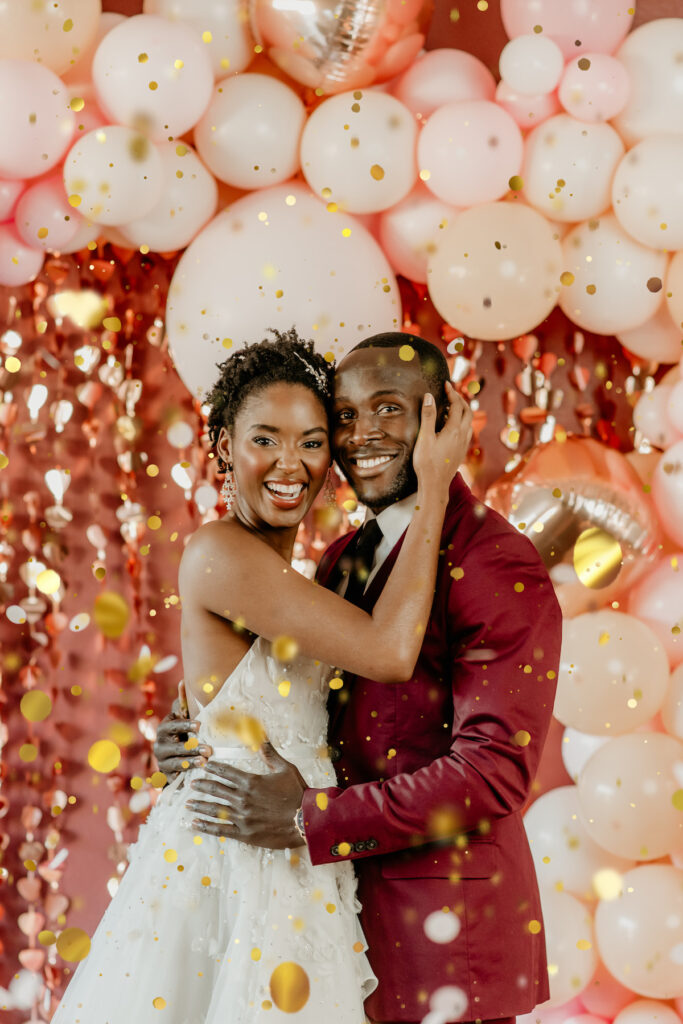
{"type": "Point", "coordinates": [393, 521]}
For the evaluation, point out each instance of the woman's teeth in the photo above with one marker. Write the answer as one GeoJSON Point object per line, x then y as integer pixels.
{"type": "Point", "coordinates": [285, 490]}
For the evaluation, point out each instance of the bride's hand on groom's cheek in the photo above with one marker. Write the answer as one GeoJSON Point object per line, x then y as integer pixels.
{"type": "Point", "coordinates": [260, 808]}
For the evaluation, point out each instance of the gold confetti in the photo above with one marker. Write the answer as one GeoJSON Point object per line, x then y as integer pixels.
{"type": "Point", "coordinates": [28, 752]}
{"type": "Point", "coordinates": [597, 558]}
{"type": "Point", "coordinates": [12, 364]}
{"type": "Point", "coordinates": [290, 987]}
{"type": "Point", "coordinates": [516, 183]}
{"type": "Point", "coordinates": [48, 581]}
{"type": "Point", "coordinates": [534, 927]}
{"type": "Point", "coordinates": [321, 801]}
{"type": "Point", "coordinates": [607, 884]}
{"type": "Point", "coordinates": [35, 706]}
{"type": "Point", "coordinates": [677, 799]}
{"type": "Point", "coordinates": [47, 938]}
{"type": "Point", "coordinates": [159, 1003]}
{"type": "Point", "coordinates": [4, 460]}
{"type": "Point", "coordinates": [603, 639]}
{"type": "Point", "coordinates": [284, 648]}
{"type": "Point", "coordinates": [330, 908]}
{"type": "Point", "coordinates": [68, 25]}
{"type": "Point", "coordinates": [336, 683]}
{"type": "Point", "coordinates": [256, 953]}
{"type": "Point", "coordinates": [158, 780]}
{"type": "Point", "coordinates": [284, 687]}
{"type": "Point", "coordinates": [154, 522]}
{"type": "Point", "coordinates": [518, 588]}
{"type": "Point", "coordinates": [406, 353]}
{"type": "Point", "coordinates": [104, 756]}
{"type": "Point", "coordinates": [566, 278]}
{"type": "Point", "coordinates": [153, 86]}
{"type": "Point", "coordinates": [377, 172]}
{"type": "Point", "coordinates": [522, 738]}
{"type": "Point", "coordinates": [111, 323]}
{"type": "Point", "coordinates": [206, 881]}
{"type": "Point", "coordinates": [171, 856]}
{"type": "Point", "coordinates": [457, 573]}
{"type": "Point", "coordinates": [583, 64]}
{"type": "Point", "coordinates": [358, 947]}
{"type": "Point", "coordinates": [73, 944]}
{"type": "Point", "coordinates": [344, 849]}
{"type": "Point", "coordinates": [178, 64]}
{"type": "Point", "coordinates": [110, 614]}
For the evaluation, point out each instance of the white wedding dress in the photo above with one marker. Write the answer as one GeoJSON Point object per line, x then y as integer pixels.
{"type": "Point", "coordinates": [210, 931]}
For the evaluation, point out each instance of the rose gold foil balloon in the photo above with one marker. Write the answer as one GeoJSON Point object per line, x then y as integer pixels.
{"type": "Point", "coordinates": [562, 487]}
{"type": "Point", "coordinates": [334, 45]}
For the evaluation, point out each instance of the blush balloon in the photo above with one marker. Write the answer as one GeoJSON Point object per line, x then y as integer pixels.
{"type": "Point", "coordinates": [409, 232]}
{"type": "Point", "coordinates": [19, 263]}
{"type": "Point", "coordinates": [576, 27]}
{"type": "Point", "coordinates": [657, 339]}
{"type": "Point", "coordinates": [667, 491]}
{"type": "Point", "coordinates": [651, 57]}
{"type": "Point", "coordinates": [36, 127]}
{"type": "Point", "coordinates": [594, 87]}
{"type": "Point", "coordinates": [443, 76]}
{"type": "Point", "coordinates": [527, 111]}
{"type": "Point", "coordinates": [657, 600]}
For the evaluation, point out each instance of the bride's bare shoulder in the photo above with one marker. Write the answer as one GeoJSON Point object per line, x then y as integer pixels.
{"type": "Point", "coordinates": [215, 542]}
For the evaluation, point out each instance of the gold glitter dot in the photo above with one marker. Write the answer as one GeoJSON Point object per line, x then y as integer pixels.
{"type": "Point", "coordinates": [153, 86]}
{"type": "Point", "coordinates": [346, 232]}
{"type": "Point", "coordinates": [142, 58]}
{"type": "Point", "coordinates": [321, 801]}
{"type": "Point", "coordinates": [597, 558]}
{"type": "Point", "coordinates": [522, 738]}
{"type": "Point", "coordinates": [290, 987]}
{"type": "Point", "coordinates": [206, 37]}
{"type": "Point", "coordinates": [73, 944]}
{"type": "Point", "coordinates": [159, 1003]}
{"type": "Point", "coordinates": [591, 289]}
{"type": "Point", "coordinates": [47, 938]}
{"type": "Point", "coordinates": [152, 470]}
{"type": "Point", "coordinates": [677, 799]}
{"type": "Point", "coordinates": [566, 278]}
{"type": "Point", "coordinates": [607, 884]}
{"type": "Point", "coordinates": [48, 582]}
{"type": "Point", "coordinates": [330, 908]}
{"type": "Point", "coordinates": [336, 683]}
{"type": "Point", "coordinates": [171, 856]}
{"type": "Point", "coordinates": [35, 706]}
{"type": "Point", "coordinates": [584, 944]}
{"type": "Point", "coordinates": [519, 587]}
{"type": "Point", "coordinates": [377, 172]}
{"type": "Point", "coordinates": [68, 25]}
{"type": "Point", "coordinates": [654, 284]}
{"type": "Point", "coordinates": [603, 639]}
{"type": "Point", "coordinates": [178, 64]}
{"type": "Point", "coordinates": [534, 927]}
{"type": "Point", "coordinates": [406, 353]}
{"type": "Point", "coordinates": [516, 182]}
{"type": "Point", "coordinates": [28, 752]}
{"type": "Point", "coordinates": [284, 687]}
{"type": "Point", "coordinates": [284, 648]}
{"type": "Point", "coordinates": [12, 364]}
{"type": "Point", "coordinates": [457, 573]}
{"type": "Point", "coordinates": [583, 64]}
{"type": "Point", "coordinates": [111, 323]}
{"type": "Point", "coordinates": [256, 953]}
{"type": "Point", "coordinates": [482, 5]}
{"type": "Point", "coordinates": [104, 756]}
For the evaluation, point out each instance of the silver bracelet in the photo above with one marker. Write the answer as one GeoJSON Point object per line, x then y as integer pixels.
{"type": "Point", "coordinates": [299, 823]}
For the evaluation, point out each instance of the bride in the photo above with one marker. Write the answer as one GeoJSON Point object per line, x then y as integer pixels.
{"type": "Point", "coordinates": [213, 932]}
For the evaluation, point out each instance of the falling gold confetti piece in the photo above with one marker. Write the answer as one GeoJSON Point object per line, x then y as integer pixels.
{"type": "Point", "coordinates": [47, 938]}
{"type": "Point", "coordinates": [206, 37]}
{"type": "Point", "coordinates": [321, 801]}
{"type": "Point", "coordinates": [519, 587]}
{"type": "Point", "coordinates": [358, 947]}
{"type": "Point", "coordinates": [677, 799]}
{"type": "Point", "coordinates": [73, 944]}
{"type": "Point", "coordinates": [152, 470]}
{"type": "Point", "coordinates": [290, 987]}
{"type": "Point", "coordinates": [158, 780]}
{"type": "Point", "coordinates": [35, 706]}
{"type": "Point", "coordinates": [178, 64]}
{"type": "Point", "coordinates": [159, 1003]}
{"type": "Point", "coordinates": [104, 756]}
{"type": "Point", "coordinates": [266, 1005]}
{"type": "Point", "coordinates": [171, 856]}
{"type": "Point", "coordinates": [566, 278]}
{"type": "Point", "coordinates": [284, 687]}
{"type": "Point", "coordinates": [12, 364]}
{"type": "Point", "coordinates": [136, 782]}
{"type": "Point", "coordinates": [154, 522]}
{"type": "Point", "coordinates": [111, 323]}
{"type": "Point", "coordinates": [425, 175]}
{"type": "Point", "coordinates": [391, 753]}
{"type": "Point", "coordinates": [597, 558]}
{"type": "Point", "coordinates": [607, 884]}
{"type": "Point", "coordinates": [457, 573]}
{"type": "Point", "coordinates": [330, 908]}
{"type": "Point", "coordinates": [377, 172]}
{"type": "Point", "coordinates": [68, 25]}
{"type": "Point", "coordinates": [4, 460]}
{"type": "Point", "coordinates": [583, 64]}
{"type": "Point", "coordinates": [290, 200]}
{"type": "Point", "coordinates": [344, 849]}
{"type": "Point", "coordinates": [406, 353]}
{"type": "Point", "coordinates": [603, 639]}
{"type": "Point", "coordinates": [256, 953]}
{"type": "Point", "coordinates": [77, 103]}
{"type": "Point", "coordinates": [584, 944]}
{"type": "Point", "coordinates": [48, 581]}
{"type": "Point", "coordinates": [350, 505]}
{"type": "Point", "coordinates": [206, 881]}
{"type": "Point", "coordinates": [522, 738]}
{"type": "Point", "coordinates": [336, 683]}
{"type": "Point", "coordinates": [284, 648]}
{"type": "Point", "coordinates": [516, 182]}
{"type": "Point", "coordinates": [28, 752]}
{"type": "Point", "coordinates": [346, 232]}
{"type": "Point", "coordinates": [513, 436]}
{"type": "Point", "coordinates": [534, 927]}
{"type": "Point", "coordinates": [110, 614]}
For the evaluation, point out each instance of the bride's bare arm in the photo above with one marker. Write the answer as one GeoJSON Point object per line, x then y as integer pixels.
{"type": "Point", "coordinates": [232, 573]}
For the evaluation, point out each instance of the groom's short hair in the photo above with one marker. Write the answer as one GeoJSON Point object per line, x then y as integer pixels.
{"type": "Point", "coordinates": [433, 364]}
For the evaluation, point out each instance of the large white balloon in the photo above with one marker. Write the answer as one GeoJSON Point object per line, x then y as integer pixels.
{"type": "Point", "coordinates": [564, 854]}
{"type": "Point", "coordinates": [647, 192]}
{"type": "Point", "coordinates": [531, 64]}
{"type": "Point", "coordinates": [613, 282]}
{"type": "Point", "coordinates": [276, 258]}
{"type": "Point", "coordinates": [569, 166]}
{"type": "Point", "coordinates": [223, 25]}
{"type": "Point", "coordinates": [358, 151]}
{"type": "Point", "coordinates": [188, 200]}
{"type": "Point", "coordinates": [651, 56]}
{"type": "Point", "coordinates": [658, 338]}
{"type": "Point", "coordinates": [577, 749]}
{"type": "Point", "coordinates": [250, 133]}
{"type": "Point", "coordinates": [640, 933]}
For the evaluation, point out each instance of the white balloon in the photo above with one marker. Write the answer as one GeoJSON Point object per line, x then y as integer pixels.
{"type": "Point", "coordinates": [113, 175]}
{"type": "Point", "coordinates": [577, 748]}
{"type": "Point", "coordinates": [19, 263]}
{"type": "Point", "coordinates": [647, 192]}
{"type": "Point", "coordinates": [658, 338]}
{"type": "Point", "coordinates": [569, 944]}
{"type": "Point", "coordinates": [651, 56]}
{"type": "Point", "coordinates": [188, 200]}
{"type": "Point", "coordinates": [276, 258]}
{"type": "Point", "coordinates": [531, 64]}
{"type": "Point", "coordinates": [360, 153]}
{"type": "Point", "coordinates": [231, 46]}
{"type": "Point", "coordinates": [564, 854]}
{"type": "Point", "coordinates": [672, 708]}
{"type": "Point", "coordinates": [649, 417]}
{"type": "Point", "coordinates": [647, 1011]}
{"type": "Point", "coordinates": [616, 282]}
{"type": "Point", "coordinates": [249, 135]}
{"type": "Point", "coordinates": [568, 167]}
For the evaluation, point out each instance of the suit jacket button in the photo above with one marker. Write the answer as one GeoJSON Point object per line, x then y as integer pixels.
{"type": "Point", "coordinates": [371, 844]}
{"type": "Point", "coordinates": [360, 847]}
{"type": "Point", "coordinates": [335, 754]}
{"type": "Point", "coordinates": [334, 850]}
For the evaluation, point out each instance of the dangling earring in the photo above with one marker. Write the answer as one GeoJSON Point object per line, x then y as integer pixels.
{"type": "Point", "coordinates": [229, 488]}
{"type": "Point", "coordinates": [330, 490]}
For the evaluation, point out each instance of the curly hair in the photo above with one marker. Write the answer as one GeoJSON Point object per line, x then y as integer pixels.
{"type": "Point", "coordinates": [287, 358]}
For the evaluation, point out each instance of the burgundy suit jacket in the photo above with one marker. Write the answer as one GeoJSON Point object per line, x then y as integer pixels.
{"type": "Point", "coordinates": [433, 774]}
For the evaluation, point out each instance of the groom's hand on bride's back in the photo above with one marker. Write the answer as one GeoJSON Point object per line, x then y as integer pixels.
{"type": "Point", "coordinates": [175, 747]}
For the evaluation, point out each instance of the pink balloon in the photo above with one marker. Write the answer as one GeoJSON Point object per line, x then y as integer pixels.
{"type": "Point", "coordinates": [658, 338]}
{"type": "Point", "coordinates": [527, 111]}
{"type": "Point", "coordinates": [9, 193]}
{"type": "Point", "coordinates": [576, 26]}
{"type": "Point", "coordinates": [545, 1014]}
{"type": "Point", "coordinates": [19, 263]}
{"type": "Point", "coordinates": [443, 76]}
{"type": "Point", "coordinates": [43, 218]}
{"type": "Point", "coordinates": [409, 232]}
{"type": "Point", "coordinates": [584, 1018]}
{"type": "Point", "coordinates": [596, 92]}
{"type": "Point", "coordinates": [675, 407]}
{"type": "Point", "coordinates": [37, 124]}
{"type": "Point", "coordinates": [605, 995]}
{"type": "Point", "coordinates": [667, 491]}
{"type": "Point", "coordinates": [469, 151]}
{"type": "Point", "coordinates": [657, 600]}
{"type": "Point", "coordinates": [649, 417]}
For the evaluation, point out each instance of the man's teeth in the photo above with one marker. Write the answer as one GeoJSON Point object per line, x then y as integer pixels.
{"type": "Point", "coordinates": [286, 490]}
{"type": "Point", "coordinates": [371, 463]}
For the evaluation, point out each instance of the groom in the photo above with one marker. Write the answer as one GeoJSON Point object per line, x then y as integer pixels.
{"type": "Point", "coordinates": [432, 773]}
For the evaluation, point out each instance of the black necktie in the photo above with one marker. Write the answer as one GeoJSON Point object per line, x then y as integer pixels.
{"type": "Point", "coordinates": [361, 557]}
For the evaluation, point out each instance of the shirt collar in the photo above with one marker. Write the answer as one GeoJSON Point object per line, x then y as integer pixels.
{"type": "Point", "coordinates": [394, 520]}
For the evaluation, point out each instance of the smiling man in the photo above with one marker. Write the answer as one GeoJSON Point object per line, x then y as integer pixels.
{"type": "Point", "coordinates": [433, 773]}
